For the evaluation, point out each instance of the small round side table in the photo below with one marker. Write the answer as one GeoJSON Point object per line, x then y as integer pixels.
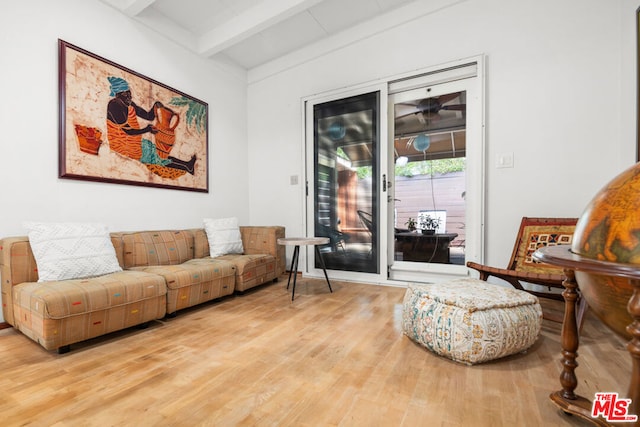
{"type": "Point", "coordinates": [303, 241]}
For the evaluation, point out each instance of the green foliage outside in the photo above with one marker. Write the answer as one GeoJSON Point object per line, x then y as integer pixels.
{"type": "Point", "coordinates": [424, 167]}
{"type": "Point", "coordinates": [428, 167]}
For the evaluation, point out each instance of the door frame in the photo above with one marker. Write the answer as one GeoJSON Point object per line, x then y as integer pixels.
{"type": "Point", "coordinates": [435, 74]}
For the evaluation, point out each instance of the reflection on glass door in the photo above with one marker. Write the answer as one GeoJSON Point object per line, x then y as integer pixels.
{"type": "Point", "coordinates": [430, 181]}
{"type": "Point", "coordinates": [345, 186]}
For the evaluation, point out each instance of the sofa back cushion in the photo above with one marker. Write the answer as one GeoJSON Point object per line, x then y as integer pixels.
{"type": "Point", "coordinates": [167, 247]}
{"type": "Point", "coordinates": [200, 243]}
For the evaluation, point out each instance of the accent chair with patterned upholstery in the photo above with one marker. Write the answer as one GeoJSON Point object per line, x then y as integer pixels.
{"type": "Point", "coordinates": [522, 271]}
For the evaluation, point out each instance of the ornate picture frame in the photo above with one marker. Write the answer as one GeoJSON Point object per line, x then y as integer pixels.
{"type": "Point", "coordinates": [118, 126]}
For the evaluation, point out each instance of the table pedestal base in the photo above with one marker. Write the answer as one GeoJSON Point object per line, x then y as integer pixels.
{"type": "Point", "coordinates": [580, 407]}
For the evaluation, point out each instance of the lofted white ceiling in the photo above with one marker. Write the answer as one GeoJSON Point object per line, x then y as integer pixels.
{"type": "Point", "coordinates": [250, 33]}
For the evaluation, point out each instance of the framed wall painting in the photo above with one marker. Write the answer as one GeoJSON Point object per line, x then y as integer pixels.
{"type": "Point", "coordinates": [118, 126]}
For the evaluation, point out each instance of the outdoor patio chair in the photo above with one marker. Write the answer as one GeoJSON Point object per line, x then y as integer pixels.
{"type": "Point", "coordinates": [337, 239]}
{"type": "Point", "coordinates": [367, 220]}
{"type": "Point", "coordinates": [535, 233]}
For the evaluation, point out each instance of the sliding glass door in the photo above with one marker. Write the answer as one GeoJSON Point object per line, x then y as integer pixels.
{"type": "Point", "coordinates": [345, 205]}
{"type": "Point", "coordinates": [394, 177]}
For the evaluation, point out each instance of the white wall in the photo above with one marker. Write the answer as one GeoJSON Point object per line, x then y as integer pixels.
{"type": "Point", "coordinates": [30, 189]}
{"type": "Point", "coordinates": [560, 95]}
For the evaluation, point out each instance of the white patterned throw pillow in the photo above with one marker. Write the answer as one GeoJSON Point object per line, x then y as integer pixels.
{"type": "Point", "coordinates": [71, 250]}
{"type": "Point", "coordinates": [223, 236]}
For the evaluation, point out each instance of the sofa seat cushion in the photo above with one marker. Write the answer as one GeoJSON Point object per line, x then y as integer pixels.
{"type": "Point", "coordinates": [194, 281]}
{"type": "Point", "coordinates": [251, 270]}
{"type": "Point", "coordinates": [58, 313]}
{"type": "Point", "coordinates": [470, 320]}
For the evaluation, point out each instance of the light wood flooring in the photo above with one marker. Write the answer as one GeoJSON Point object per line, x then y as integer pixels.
{"type": "Point", "coordinates": [324, 360]}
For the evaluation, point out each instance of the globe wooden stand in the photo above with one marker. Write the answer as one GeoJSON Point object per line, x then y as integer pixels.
{"type": "Point", "coordinates": [565, 398]}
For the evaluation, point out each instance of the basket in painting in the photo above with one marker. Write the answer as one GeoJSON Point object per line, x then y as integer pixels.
{"type": "Point", "coordinates": [89, 139]}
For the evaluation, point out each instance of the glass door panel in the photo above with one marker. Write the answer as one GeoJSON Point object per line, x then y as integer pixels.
{"type": "Point", "coordinates": [429, 137]}
{"type": "Point", "coordinates": [345, 188]}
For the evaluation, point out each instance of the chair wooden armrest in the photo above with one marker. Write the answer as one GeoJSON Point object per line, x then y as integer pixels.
{"type": "Point", "coordinates": [515, 278]}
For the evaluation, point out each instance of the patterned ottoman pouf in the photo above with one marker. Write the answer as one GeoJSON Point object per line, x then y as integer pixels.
{"type": "Point", "coordinates": [470, 320]}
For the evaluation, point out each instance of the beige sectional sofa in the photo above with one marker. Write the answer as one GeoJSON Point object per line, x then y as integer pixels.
{"type": "Point", "coordinates": [163, 272]}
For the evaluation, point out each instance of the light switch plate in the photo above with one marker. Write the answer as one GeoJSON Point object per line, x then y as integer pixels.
{"type": "Point", "coordinates": [504, 160]}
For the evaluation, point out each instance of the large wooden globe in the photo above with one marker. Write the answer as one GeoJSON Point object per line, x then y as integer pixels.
{"type": "Point", "coordinates": [609, 230]}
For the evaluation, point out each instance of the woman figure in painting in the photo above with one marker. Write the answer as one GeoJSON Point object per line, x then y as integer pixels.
{"type": "Point", "coordinates": [124, 132]}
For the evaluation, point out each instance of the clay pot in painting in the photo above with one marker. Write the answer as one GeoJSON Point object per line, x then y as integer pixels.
{"type": "Point", "coordinates": [166, 122]}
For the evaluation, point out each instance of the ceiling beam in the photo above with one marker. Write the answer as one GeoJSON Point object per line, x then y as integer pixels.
{"type": "Point", "coordinates": [131, 8]}
{"type": "Point", "coordinates": [135, 7]}
{"type": "Point", "coordinates": [252, 21]}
